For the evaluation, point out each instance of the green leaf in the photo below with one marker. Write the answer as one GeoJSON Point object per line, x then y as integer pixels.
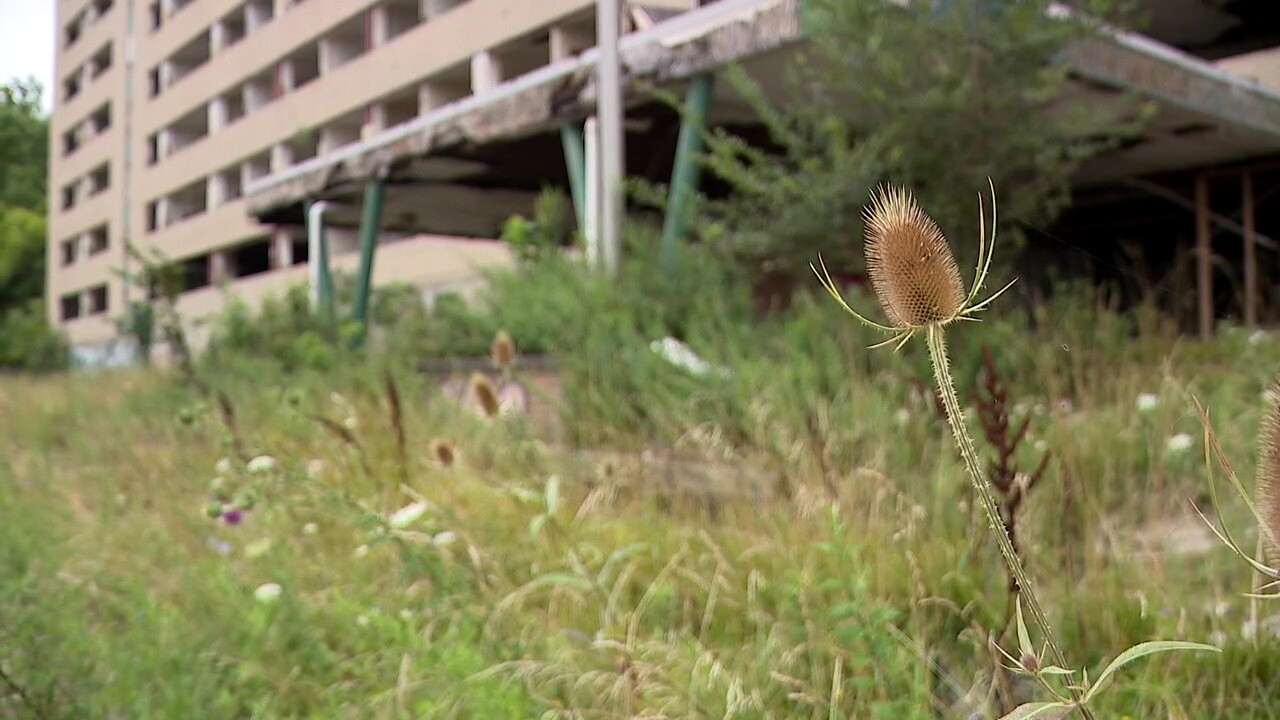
{"type": "Point", "coordinates": [553, 494]}
{"type": "Point", "coordinates": [1139, 651]}
{"type": "Point", "coordinates": [1039, 711]}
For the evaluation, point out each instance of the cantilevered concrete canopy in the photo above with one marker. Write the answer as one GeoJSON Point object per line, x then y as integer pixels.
{"type": "Point", "coordinates": [1205, 116]}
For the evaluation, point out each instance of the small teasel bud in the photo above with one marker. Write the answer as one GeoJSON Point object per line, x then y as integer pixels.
{"type": "Point", "coordinates": [503, 350]}
{"type": "Point", "coordinates": [213, 510]}
{"type": "Point", "coordinates": [1030, 662]}
{"type": "Point", "coordinates": [485, 395]}
{"type": "Point", "coordinates": [912, 270]}
{"type": "Point", "coordinates": [186, 416]}
{"type": "Point", "coordinates": [1267, 480]}
{"type": "Point", "coordinates": [444, 452]}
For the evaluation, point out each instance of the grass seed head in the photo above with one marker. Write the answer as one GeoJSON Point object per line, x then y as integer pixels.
{"type": "Point", "coordinates": [485, 395]}
{"type": "Point", "coordinates": [912, 270]}
{"type": "Point", "coordinates": [1267, 482]}
{"type": "Point", "coordinates": [503, 350]}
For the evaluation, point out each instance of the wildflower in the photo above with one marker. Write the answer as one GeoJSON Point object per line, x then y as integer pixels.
{"type": "Point", "coordinates": [902, 416]}
{"type": "Point", "coordinates": [222, 547]}
{"type": "Point", "coordinates": [361, 551]}
{"type": "Point", "coordinates": [223, 467]}
{"type": "Point", "coordinates": [406, 614]}
{"type": "Point", "coordinates": [233, 516]}
{"type": "Point", "coordinates": [310, 529]}
{"type": "Point", "coordinates": [362, 620]}
{"type": "Point", "coordinates": [261, 464]}
{"type": "Point", "coordinates": [1179, 443]}
{"type": "Point", "coordinates": [315, 468]}
{"type": "Point", "coordinates": [1147, 402]}
{"type": "Point", "coordinates": [268, 593]}
{"type": "Point", "coordinates": [445, 538]}
{"type": "Point", "coordinates": [407, 515]}
{"type": "Point", "coordinates": [503, 350]}
{"type": "Point", "coordinates": [1257, 336]}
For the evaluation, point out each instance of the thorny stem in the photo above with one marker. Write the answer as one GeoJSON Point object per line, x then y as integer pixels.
{"type": "Point", "coordinates": [987, 498]}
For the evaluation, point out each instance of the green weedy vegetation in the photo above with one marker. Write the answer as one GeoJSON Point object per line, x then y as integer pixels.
{"type": "Point", "coordinates": [792, 539]}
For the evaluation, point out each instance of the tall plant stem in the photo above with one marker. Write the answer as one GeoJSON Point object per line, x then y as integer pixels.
{"type": "Point", "coordinates": [987, 497]}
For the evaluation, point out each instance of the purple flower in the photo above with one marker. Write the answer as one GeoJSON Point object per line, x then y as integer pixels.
{"type": "Point", "coordinates": [233, 516]}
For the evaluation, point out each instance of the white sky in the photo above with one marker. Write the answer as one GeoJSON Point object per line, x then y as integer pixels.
{"type": "Point", "coordinates": [26, 42]}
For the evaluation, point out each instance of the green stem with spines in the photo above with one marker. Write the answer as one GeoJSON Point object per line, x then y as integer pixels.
{"type": "Point", "coordinates": [986, 495]}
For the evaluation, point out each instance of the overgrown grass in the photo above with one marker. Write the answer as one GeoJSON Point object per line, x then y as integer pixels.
{"type": "Point", "coordinates": [791, 539]}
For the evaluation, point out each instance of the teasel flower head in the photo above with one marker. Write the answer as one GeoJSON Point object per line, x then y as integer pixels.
{"type": "Point", "coordinates": [485, 395]}
{"type": "Point", "coordinates": [503, 350]}
{"type": "Point", "coordinates": [912, 270]}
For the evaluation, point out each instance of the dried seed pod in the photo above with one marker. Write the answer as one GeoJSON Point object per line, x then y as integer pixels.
{"type": "Point", "coordinates": [503, 350]}
{"type": "Point", "coordinates": [485, 395]}
{"type": "Point", "coordinates": [444, 452]}
{"type": "Point", "coordinates": [912, 270]}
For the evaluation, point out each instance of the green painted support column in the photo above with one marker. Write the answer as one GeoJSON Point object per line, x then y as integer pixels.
{"type": "Point", "coordinates": [684, 175]}
{"type": "Point", "coordinates": [370, 228]}
{"type": "Point", "coordinates": [576, 163]}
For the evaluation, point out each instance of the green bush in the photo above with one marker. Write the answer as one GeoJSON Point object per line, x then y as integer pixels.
{"type": "Point", "coordinates": [27, 343]}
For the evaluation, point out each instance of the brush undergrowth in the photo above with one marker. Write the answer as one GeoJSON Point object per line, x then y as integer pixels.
{"type": "Point", "coordinates": [788, 539]}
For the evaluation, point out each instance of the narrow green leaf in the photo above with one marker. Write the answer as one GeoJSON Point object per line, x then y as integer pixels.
{"type": "Point", "coordinates": [553, 494]}
{"type": "Point", "coordinates": [1142, 650]}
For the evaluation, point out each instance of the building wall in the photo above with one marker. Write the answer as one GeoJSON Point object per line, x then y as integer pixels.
{"type": "Point", "coordinates": [205, 96]}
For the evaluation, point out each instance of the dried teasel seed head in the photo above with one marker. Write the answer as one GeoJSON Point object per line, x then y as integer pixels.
{"type": "Point", "coordinates": [444, 452]}
{"type": "Point", "coordinates": [912, 270]}
{"type": "Point", "coordinates": [1267, 481]}
{"type": "Point", "coordinates": [485, 395]}
{"type": "Point", "coordinates": [503, 350]}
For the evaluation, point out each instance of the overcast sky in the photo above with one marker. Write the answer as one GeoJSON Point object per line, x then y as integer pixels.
{"type": "Point", "coordinates": [26, 41]}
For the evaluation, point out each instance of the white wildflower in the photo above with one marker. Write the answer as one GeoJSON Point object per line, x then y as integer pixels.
{"type": "Point", "coordinates": [1041, 445]}
{"type": "Point", "coordinates": [315, 468]}
{"type": "Point", "coordinates": [258, 548]}
{"type": "Point", "coordinates": [1179, 443]}
{"type": "Point", "coordinates": [1147, 402]}
{"type": "Point", "coordinates": [223, 467]}
{"type": "Point", "coordinates": [445, 538]}
{"type": "Point", "coordinates": [362, 620]}
{"type": "Point", "coordinates": [902, 416]}
{"type": "Point", "coordinates": [361, 551]}
{"type": "Point", "coordinates": [310, 529]}
{"type": "Point", "coordinates": [407, 515]}
{"type": "Point", "coordinates": [261, 464]}
{"type": "Point", "coordinates": [268, 593]}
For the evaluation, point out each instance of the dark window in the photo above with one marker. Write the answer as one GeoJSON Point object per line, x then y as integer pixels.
{"type": "Point", "coordinates": [98, 240]}
{"type": "Point", "coordinates": [69, 196]}
{"type": "Point", "coordinates": [153, 82]}
{"type": "Point", "coordinates": [70, 306]}
{"type": "Point", "coordinates": [68, 251]}
{"type": "Point", "coordinates": [250, 259]}
{"type": "Point", "coordinates": [301, 251]}
{"type": "Point", "coordinates": [156, 16]}
{"type": "Point", "coordinates": [98, 300]}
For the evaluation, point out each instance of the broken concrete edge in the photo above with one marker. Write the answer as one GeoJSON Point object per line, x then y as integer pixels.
{"type": "Point", "coordinates": [549, 97]}
{"type": "Point", "coordinates": [716, 36]}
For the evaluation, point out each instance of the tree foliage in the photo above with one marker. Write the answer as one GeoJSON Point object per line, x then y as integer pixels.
{"type": "Point", "coordinates": [26, 340]}
{"type": "Point", "coordinates": [935, 95]}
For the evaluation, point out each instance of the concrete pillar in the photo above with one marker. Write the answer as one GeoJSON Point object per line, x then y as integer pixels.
{"type": "Point", "coordinates": [217, 113]}
{"type": "Point", "coordinates": [284, 77]}
{"type": "Point", "coordinates": [162, 213]}
{"type": "Point", "coordinates": [281, 248]}
{"type": "Point", "coordinates": [219, 268]}
{"type": "Point", "coordinates": [217, 37]}
{"type": "Point", "coordinates": [375, 121]}
{"type": "Point", "coordinates": [164, 143]}
{"type": "Point", "coordinates": [281, 157]}
{"type": "Point", "coordinates": [486, 71]}
{"type": "Point", "coordinates": [166, 74]}
{"type": "Point", "coordinates": [215, 190]}
{"type": "Point", "coordinates": [379, 26]}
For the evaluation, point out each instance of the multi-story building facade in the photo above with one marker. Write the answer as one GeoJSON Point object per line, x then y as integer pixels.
{"type": "Point", "coordinates": [164, 111]}
{"type": "Point", "coordinates": [206, 128]}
